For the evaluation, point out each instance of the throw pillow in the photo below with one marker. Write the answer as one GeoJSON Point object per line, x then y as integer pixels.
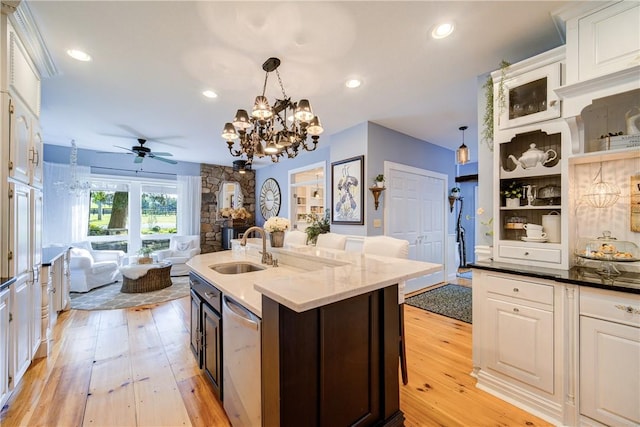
{"type": "Point", "coordinates": [183, 246]}
{"type": "Point", "coordinates": [80, 252]}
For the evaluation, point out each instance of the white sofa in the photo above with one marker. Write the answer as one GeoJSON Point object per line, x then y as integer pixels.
{"type": "Point", "coordinates": [181, 249]}
{"type": "Point", "coordinates": [93, 268]}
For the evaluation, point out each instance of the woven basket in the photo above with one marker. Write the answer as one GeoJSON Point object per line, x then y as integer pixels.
{"type": "Point", "coordinates": [153, 280]}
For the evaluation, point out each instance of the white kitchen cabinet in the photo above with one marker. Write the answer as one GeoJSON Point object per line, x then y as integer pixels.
{"type": "Point", "coordinates": [19, 244]}
{"type": "Point", "coordinates": [4, 345]}
{"type": "Point", "coordinates": [36, 261]}
{"type": "Point", "coordinates": [20, 314]}
{"type": "Point", "coordinates": [518, 343]}
{"type": "Point", "coordinates": [610, 357]}
{"type": "Point", "coordinates": [603, 40]}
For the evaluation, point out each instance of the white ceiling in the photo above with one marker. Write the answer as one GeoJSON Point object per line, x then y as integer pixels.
{"type": "Point", "coordinates": [152, 60]}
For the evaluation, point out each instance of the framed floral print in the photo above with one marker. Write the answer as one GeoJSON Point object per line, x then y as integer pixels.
{"type": "Point", "coordinates": [347, 191]}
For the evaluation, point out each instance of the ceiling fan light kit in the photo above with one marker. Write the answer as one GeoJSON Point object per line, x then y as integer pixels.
{"type": "Point", "coordinates": [277, 130]}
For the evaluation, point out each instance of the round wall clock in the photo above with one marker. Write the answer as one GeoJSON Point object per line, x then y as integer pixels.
{"type": "Point", "coordinates": [270, 198]}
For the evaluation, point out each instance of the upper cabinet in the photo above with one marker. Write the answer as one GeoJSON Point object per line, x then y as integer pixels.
{"type": "Point", "coordinates": [22, 102]}
{"type": "Point", "coordinates": [530, 97]}
{"type": "Point", "coordinates": [603, 41]}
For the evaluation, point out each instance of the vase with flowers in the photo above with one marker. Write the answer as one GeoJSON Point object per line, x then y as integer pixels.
{"type": "Point", "coordinates": [276, 226]}
{"type": "Point", "coordinates": [512, 194]}
{"type": "Point", "coordinates": [236, 217]}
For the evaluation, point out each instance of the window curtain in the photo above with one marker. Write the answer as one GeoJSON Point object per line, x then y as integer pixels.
{"type": "Point", "coordinates": [65, 215]}
{"type": "Point", "coordinates": [189, 201]}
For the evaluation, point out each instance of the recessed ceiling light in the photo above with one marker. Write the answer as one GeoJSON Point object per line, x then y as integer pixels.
{"type": "Point", "coordinates": [442, 30]}
{"type": "Point", "coordinates": [353, 83]}
{"type": "Point", "coordinates": [79, 55]}
{"type": "Point", "coordinates": [210, 94]}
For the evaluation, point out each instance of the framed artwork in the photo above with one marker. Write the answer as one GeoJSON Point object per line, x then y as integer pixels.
{"type": "Point", "coordinates": [635, 203]}
{"type": "Point", "coordinates": [347, 191]}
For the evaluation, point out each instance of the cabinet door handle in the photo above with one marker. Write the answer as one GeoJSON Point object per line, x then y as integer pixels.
{"type": "Point", "coordinates": [515, 310]}
{"type": "Point", "coordinates": [526, 253]}
{"type": "Point", "coordinates": [553, 103]}
{"type": "Point", "coordinates": [210, 295]}
{"type": "Point", "coordinates": [628, 309]}
{"type": "Point", "coordinates": [516, 290]}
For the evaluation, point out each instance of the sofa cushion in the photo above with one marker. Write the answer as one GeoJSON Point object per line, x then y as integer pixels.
{"type": "Point", "coordinates": [177, 259]}
{"type": "Point", "coordinates": [104, 266]}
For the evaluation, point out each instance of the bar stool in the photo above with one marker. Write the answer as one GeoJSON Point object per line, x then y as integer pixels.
{"type": "Point", "coordinates": [396, 248]}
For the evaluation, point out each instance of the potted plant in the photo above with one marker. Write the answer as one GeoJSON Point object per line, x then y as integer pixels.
{"type": "Point", "coordinates": [512, 194]}
{"type": "Point", "coordinates": [317, 226]}
{"type": "Point", "coordinates": [379, 180]}
{"type": "Point", "coordinates": [145, 255]}
{"type": "Point", "coordinates": [455, 192]}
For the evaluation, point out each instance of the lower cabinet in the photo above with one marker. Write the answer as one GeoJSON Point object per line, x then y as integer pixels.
{"type": "Point", "coordinates": [211, 340]}
{"type": "Point", "coordinates": [519, 337]}
{"type": "Point", "coordinates": [4, 346]}
{"type": "Point", "coordinates": [610, 357]}
{"type": "Point", "coordinates": [20, 328]}
{"type": "Point", "coordinates": [206, 336]}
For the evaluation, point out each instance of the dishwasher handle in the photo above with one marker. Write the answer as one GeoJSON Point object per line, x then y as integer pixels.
{"type": "Point", "coordinates": [240, 314]}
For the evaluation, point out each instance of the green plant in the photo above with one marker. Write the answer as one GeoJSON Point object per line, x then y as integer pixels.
{"type": "Point", "coordinates": [145, 251]}
{"type": "Point", "coordinates": [501, 102]}
{"type": "Point", "coordinates": [316, 226]}
{"type": "Point", "coordinates": [512, 191]}
{"type": "Point", "coordinates": [454, 190]}
{"type": "Point", "coordinates": [379, 178]}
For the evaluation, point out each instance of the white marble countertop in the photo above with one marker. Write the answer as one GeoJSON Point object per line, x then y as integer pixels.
{"type": "Point", "coordinates": [307, 277]}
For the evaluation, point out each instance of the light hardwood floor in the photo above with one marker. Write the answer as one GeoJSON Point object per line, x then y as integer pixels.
{"type": "Point", "coordinates": [133, 367]}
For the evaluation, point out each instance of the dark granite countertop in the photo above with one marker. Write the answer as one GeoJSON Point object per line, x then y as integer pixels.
{"type": "Point", "coordinates": [51, 253]}
{"type": "Point", "coordinates": [5, 282]}
{"type": "Point", "coordinates": [627, 282]}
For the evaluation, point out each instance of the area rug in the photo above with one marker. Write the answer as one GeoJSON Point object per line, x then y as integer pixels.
{"type": "Point", "coordinates": [449, 300]}
{"type": "Point", "coordinates": [109, 297]}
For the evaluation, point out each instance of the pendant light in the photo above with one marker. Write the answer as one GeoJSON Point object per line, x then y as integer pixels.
{"type": "Point", "coordinates": [462, 153]}
{"type": "Point", "coordinates": [601, 194]}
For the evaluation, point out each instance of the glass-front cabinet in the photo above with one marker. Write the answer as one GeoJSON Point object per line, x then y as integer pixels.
{"type": "Point", "coordinates": [530, 97]}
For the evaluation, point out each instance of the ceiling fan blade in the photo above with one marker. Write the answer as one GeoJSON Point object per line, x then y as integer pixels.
{"type": "Point", "coordinates": [138, 159]}
{"type": "Point", "coordinates": [160, 153]}
{"type": "Point", "coordinates": [124, 148]}
{"type": "Point", "coordinates": [173, 162]}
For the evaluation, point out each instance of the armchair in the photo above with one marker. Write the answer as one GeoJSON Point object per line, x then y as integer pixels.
{"type": "Point", "coordinates": [93, 268]}
{"type": "Point", "coordinates": [181, 249]}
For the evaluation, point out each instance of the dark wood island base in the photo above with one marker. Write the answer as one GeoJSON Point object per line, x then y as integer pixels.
{"type": "Point", "coordinates": [335, 365]}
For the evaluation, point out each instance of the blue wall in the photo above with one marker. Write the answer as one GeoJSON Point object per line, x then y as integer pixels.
{"type": "Point", "coordinates": [378, 144]}
{"type": "Point", "coordinates": [389, 145]}
{"type": "Point", "coordinates": [280, 172]}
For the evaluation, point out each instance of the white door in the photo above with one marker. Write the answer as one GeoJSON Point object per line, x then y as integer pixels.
{"type": "Point", "coordinates": [417, 213]}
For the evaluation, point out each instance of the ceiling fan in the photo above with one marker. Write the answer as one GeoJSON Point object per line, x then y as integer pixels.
{"type": "Point", "coordinates": [141, 152]}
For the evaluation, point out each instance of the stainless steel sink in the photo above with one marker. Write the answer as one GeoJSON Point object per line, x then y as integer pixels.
{"type": "Point", "coordinates": [236, 267]}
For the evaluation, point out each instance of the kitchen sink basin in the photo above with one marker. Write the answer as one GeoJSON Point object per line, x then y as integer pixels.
{"type": "Point", "coordinates": [236, 267]}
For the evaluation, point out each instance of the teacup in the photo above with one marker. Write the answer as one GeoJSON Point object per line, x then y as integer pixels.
{"type": "Point", "coordinates": [536, 234]}
{"type": "Point", "coordinates": [529, 227]}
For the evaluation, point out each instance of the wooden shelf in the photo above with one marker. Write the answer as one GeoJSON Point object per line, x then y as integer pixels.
{"type": "Point", "coordinates": [526, 208]}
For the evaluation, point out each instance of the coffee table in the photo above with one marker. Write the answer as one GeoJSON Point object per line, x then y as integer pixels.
{"type": "Point", "coordinates": [139, 278]}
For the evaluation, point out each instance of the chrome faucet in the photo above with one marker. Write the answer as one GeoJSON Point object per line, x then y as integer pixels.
{"type": "Point", "coordinates": [267, 258]}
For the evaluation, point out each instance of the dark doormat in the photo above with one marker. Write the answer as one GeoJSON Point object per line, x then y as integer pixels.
{"type": "Point", "coordinates": [449, 300]}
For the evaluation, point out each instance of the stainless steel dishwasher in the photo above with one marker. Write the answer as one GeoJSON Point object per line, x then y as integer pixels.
{"type": "Point", "coordinates": [241, 378]}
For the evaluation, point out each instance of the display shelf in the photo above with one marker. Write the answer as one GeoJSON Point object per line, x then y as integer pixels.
{"type": "Point", "coordinates": [537, 171]}
{"type": "Point", "coordinates": [528, 208]}
{"type": "Point", "coordinates": [605, 156]}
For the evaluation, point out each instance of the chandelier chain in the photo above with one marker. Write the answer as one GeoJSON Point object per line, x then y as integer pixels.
{"type": "Point", "coordinates": [281, 85]}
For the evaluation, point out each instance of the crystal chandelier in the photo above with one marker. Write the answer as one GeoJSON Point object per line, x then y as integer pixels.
{"type": "Point", "coordinates": [74, 186]}
{"type": "Point", "coordinates": [275, 131]}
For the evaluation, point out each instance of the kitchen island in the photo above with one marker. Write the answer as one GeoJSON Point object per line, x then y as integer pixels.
{"type": "Point", "coordinates": [329, 332]}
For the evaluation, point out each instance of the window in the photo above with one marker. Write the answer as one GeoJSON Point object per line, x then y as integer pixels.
{"type": "Point", "coordinates": [158, 215]}
{"type": "Point", "coordinates": [129, 215]}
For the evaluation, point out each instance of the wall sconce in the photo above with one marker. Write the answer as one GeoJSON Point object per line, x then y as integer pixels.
{"type": "Point", "coordinates": [376, 195]}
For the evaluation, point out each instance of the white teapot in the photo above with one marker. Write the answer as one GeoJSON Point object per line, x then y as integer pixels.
{"type": "Point", "coordinates": [533, 156]}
